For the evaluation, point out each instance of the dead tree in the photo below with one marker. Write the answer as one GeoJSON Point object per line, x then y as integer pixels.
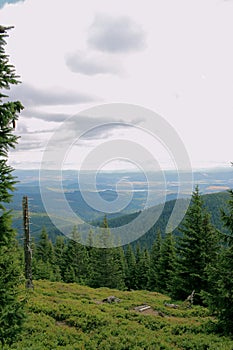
{"type": "Point", "coordinates": [27, 245]}
{"type": "Point", "coordinates": [189, 299]}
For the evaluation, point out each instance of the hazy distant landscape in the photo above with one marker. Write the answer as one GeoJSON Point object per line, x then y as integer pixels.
{"type": "Point", "coordinates": [209, 181]}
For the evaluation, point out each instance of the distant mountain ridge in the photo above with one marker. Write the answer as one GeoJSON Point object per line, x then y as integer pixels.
{"type": "Point", "coordinates": [213, 203]}
{"type": "Point", "coordinates": [209, 182]}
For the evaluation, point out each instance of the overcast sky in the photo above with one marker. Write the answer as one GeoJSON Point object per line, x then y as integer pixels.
{"type": "Point", "coordinates": [172, 57]}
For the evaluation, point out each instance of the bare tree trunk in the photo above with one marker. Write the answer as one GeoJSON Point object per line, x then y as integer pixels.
{"type": "Point", "coordinates": [27, 247]}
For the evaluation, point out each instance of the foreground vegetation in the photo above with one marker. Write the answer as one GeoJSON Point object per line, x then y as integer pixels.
{"type": "Point", "coordinates": [70, 316]}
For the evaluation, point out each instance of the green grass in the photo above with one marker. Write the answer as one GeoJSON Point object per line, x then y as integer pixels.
{"type": "Point", "coordinates": [70, 316]}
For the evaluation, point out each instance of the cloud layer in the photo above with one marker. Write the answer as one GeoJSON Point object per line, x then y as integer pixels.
{"type": "Point", "coordinates": [45, 116]}
{"type": "Point", "coordinates": [31, 96]}
{"type": "Point", "coordinates": [116, 34]}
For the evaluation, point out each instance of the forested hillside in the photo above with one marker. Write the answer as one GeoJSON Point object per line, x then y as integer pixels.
{"type": "Point", "coordinates": [213, 202]}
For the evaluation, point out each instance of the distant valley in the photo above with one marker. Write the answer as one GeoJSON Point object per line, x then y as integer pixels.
{"type": "Point", "coordinates": [128, 184]}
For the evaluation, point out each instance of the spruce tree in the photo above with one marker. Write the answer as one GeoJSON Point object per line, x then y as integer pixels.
{"type": "Point", "coordinates": [44, 248]}
{"type": "Point", "coordinates": [11, 310]}
{"type": "Point", "coordinates": [130, 267]}
{"type": "Point", "coordinates": [227, 218]}
{"type": "Point", "coordinates": [119, 268]}
{"type": "Point", "coordinates": [196, 249]}
{"type": "Point", "coordinates": [89, 249]}
{"type": "Point", "coordinates": [102, 258]}
{"type": "Point", "coordinates": [137, 270]}
{"type": "Point", "coordinates": [90, 239]}
{"type": "Point", "coordinates": [143, 269]}
{"type": "Point", "coordinates": [211, 250]}
{"type": "Point", "coordinates": [220, 297]}
{"type": "Point", "coordinates": [154, 262]}
{"type": "Point", "coordinates": [107, 264]}
{"type": "Point", "coordinates": [75, 259]}
{"type": "Point", "coordinates": [166, 264]}
{"type": "Point", "coordinates": [59, 249]}
{"type": "Point", "coordinates": [44, 259]}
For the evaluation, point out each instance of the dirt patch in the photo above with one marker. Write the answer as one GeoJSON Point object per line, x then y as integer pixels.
{"type": "Point", "coordinates": [61, 323]}
{"type": "Point", "coordinates": [150, 312]}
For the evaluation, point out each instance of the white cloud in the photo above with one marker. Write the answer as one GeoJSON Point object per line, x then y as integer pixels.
{"type": "Point", "coordinates": [92, 64]}
{"type": "Point", "coordinates": [116, 34]}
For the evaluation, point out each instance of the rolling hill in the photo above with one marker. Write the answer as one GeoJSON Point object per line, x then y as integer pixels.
{"type": "Point", "coordinates": [213, 203]}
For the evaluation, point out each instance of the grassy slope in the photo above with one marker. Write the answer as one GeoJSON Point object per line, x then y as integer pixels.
{"type": "Point", "coordinates": [69, 316]}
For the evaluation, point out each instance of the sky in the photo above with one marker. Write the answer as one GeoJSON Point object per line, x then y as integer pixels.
{"type": "Point", "coordinates": [174, 58]}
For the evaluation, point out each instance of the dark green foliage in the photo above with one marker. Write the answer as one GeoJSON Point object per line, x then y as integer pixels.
{"type": "Point", "coordinates": [70, 261]}
{"type": "Point", "coordinates": [43, 262]}
{"type": "Point", "coordinates": [59, 250]}
{"type": "Point", "coordinates": [214, 203]}
{"type": "Point", "coordinates": [44, 248]}
{"type": "Point", "coordinates": [75, 260]}
{"type": "Point", "coordinates": [11, 276]}
{"type": "Point", "coordinates": [198, 239]}
{"type": "Point", "coordinates": [142, 268]}
{"type": "Point", "coordinates": [220, 298]}
{"type": "Point", "coordinates": [154, 262]}
{"type": "Point", "coordinates": [119, 268]}
{"type": "Point", "coordinates": [166, 264]}
{"type": "Point", "coordinates": [211, 202]}
{"type": "Point", "coordinates": [11, 309]}
{"type": "Point", "coordinates": [107, 263]}
{"type": "Point", "coordinates": [227, 218]}
{"type": "Point", "coordinates": [130, 266]}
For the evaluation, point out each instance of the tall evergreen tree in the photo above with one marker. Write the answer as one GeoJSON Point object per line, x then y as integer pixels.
{"type": "Point", "coordinates": [106, 261]}
{"type": "Point", "coordinates": [119, 268]}
{"type": "Point", "coordinates": [90, 250]}
{"type": "Point", "coordinates": [143, 269]}
{"type": "Point", "coordinates": [75, 259]}
{"type": "Point", "coordinates": [59, 249]}
{"type": "Point", "coordinates": [44, 259]}
{"type": "Point", "coordinates": [130, 266]}
{"type": "Point", "coordinates": [211, 250]}
{"type": "Point", "coordinates": [166, 264]}
{"type": "Point", "coordinates": [227, 218]}
{"type": "Point", "coordinates": [220, 298]}
{"type": "Point", "coordinates": [198, 239]}
{"type": "Point", "coordinates": [44, 248]}
{"type": "Point", "coordinates": [137, 271]}
{"type": "Point", "coordinates": [90, 239]}
{"type": "Point", "coordinates": [154, 262]}
{"type": "Point", "coordinates": [11, 310]}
